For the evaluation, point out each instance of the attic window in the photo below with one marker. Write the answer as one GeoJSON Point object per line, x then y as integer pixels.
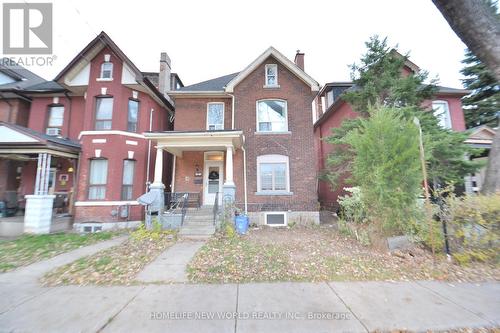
{"type": "Point", "coordinates": [271, 75]}
{"type": "Point", "coordinates": [107, 70]}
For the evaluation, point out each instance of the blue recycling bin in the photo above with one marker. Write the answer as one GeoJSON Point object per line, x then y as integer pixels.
{"type": "Point", "coordinates": [241, 224]}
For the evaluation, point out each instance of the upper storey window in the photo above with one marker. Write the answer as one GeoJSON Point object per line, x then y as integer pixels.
{"type": "Point", "coordinates": [271, 75]}
{"type": "Point", "coordinates": [107, 70]}
{"type": "Point", "coordinates": [56, 118]}
{"type": "Point", "coordinates": [442, 113]}
{"type": "Point", "coordinates": [215, 116]}
{"type": "Point", "coordinates": [103, 113]}
{"type": "Point", "coordinates": [272, 116]}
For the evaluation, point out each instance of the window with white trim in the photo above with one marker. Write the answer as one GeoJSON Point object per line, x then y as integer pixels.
{"type": "Point", "coordinates": [272, 116]}
{"type": "Point", "coordinates": [275, 219]}
{"type": "Point", "coordinates": [442, 113]}
{"type": "Point", "coordinates": [106, 70]}
{"type": "Point", "coordinates": [215, 116]}
{"type": "Point", "coordinates": [273, 174]}
{"type": "Point", "coordinates": [98, 179]}
{"type": "Point", "coordinates": [56, 116]}
{"type": "Point", "coordinates": [128, 179]}
{"type": "Point", "coordinates": [103, 113]}
{"type": "Point", "coordinates": [271, 75]}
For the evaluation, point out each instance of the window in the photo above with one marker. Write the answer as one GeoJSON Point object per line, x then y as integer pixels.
{"type": "Point", "coordinates": [271, 75]}
{"type": "Point", "coordinates": [273, 174]}
{"type": "Point", "coordinates": [128, 179]}
{"type": "Point", "coordinates": [56, 116]}
{"type": "Point", "coordinates": [215, 116]}
{"type": "Point", "coordinates": [104, 113]}
{"type": "Point", "coordinates": [442, 113]}
{"type": "Point", "coordinates": [329, 98]}
{"type": "Point", "coordinates": [133, 112]}
{"type": "Point", "coordinates": [98, 179]}
{"type": "Point", "coordinates": [106, 70]}
{"type": "Point", "coordinates": [272, 116]}
{"type": "Point", "coordinates": [276, 219]}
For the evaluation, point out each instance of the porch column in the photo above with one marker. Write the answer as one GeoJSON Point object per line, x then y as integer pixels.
{"type": "Point", "coordinates": [229, 188]}
{"type": "Point", "coordinates": [38, 212]}
{"type": "Point", "coordinates": [157, 186]}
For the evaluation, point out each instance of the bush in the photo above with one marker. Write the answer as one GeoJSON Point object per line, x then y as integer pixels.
{"type": "Point", "coordinates": [142, 233]}
{"type": "Point", "coordinates": [352, 208]}
{"type": "Point", "coordinates": [474, 228]}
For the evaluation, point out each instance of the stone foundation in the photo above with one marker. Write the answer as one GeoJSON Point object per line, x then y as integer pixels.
{"type": "Point", "coordinates": [293, 217]}
{"type": "Point", "coordinates": [106, 226]}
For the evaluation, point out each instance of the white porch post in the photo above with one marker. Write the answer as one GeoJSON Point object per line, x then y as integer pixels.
{"type": "Point", "coordinates": [157, 186]}
{"type": "Point", "coordinates": [38, 213]}
{"type": "Point", "coordinates": [229, 188]}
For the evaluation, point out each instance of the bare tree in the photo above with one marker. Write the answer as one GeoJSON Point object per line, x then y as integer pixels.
{"type": "Point", "coordinates": [478, 27]}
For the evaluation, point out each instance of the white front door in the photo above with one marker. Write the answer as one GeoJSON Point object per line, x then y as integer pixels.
{"type": "Point", "coordinates": [213, 176]}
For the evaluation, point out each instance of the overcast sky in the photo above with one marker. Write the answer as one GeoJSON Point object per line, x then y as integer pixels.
{"type": "Point", "coordinates": [206, 39]}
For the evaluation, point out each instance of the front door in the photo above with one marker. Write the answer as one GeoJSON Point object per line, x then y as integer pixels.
{"type": "Point", "coordinates": [213, 178]}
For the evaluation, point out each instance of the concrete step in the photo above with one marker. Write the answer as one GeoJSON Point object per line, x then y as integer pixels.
{"type": "Point", "coordinates": [197, 230]}
{"type": "Point", "coordinates": [199, 218]}
{"type": "Point", "coordinates": [194, 237]}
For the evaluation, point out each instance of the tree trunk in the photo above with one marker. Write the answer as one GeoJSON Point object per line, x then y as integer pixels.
{"type": "Point", "coordinates": [492, 177]}
{"type": "Point", "coordinates": [478, 27]}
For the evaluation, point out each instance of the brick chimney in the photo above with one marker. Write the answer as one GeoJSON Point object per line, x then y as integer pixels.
{"type": "Point", "coordinates": [164, 77]}
{"type": "Point", "coordinates": [299, 59]}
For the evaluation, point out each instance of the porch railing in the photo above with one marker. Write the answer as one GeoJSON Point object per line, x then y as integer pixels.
{"type": "Point", "coordinates": [193, 199]}
{"type": "Point", "coordinates": [177, 203]}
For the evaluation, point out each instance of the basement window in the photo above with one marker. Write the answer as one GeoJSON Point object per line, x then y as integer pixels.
{"type": "Point", "coordinates": [276, 219]}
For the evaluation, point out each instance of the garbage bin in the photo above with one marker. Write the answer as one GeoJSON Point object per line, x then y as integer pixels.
{"type": "Point", "coordinates": [241, 224]}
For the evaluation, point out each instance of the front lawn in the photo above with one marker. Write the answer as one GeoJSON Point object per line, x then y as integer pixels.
{"type": "Point", "coordinates": [32, 248]}
{"type": "Point", "coordinates": [117, 265]}
{"type": "Point", "coordinates": [317, 254]}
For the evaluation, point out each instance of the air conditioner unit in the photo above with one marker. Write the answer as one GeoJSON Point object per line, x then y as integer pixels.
{"type": "Point", "coordinates": [53, 131]}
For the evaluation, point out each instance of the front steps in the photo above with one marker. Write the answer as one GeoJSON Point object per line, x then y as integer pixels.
{"type": "Point", "coordinates": [198, 223]}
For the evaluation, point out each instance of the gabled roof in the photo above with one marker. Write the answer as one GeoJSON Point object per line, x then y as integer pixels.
{"type": "Point", "coordinates": [290, 65]}
{"type": "Point", "coordinates": [95, 46]}
{"type": "Point", "coordinates": [217, 84]}
{"type": "Point", "coordinates": [22, 77]}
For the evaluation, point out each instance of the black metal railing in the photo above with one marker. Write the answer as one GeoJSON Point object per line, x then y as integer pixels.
{"type": "Point", "coordinates": [177, 203]}
{"type": "Point", "coordinates": [193, 199]}
{"type": "Point", "coordinates": [216, 206]}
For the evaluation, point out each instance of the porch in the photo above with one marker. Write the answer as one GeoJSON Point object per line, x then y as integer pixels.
{"type": "Point", "coordinates": [203, 163]}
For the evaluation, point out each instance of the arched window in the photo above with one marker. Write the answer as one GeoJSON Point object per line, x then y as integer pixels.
{"type": "Point", "coordinates": [107, 70]}
{"type": "Point", "coordinates": [273, 174]}
{"type": "Point", "coordinates": [442, 113]}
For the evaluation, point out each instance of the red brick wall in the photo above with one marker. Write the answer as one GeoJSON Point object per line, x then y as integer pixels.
{"type": "Point", "coordinates": [298, 146]}
{"type": "Point", "coordinates": [185, 170]}
{"type": "Point", "coordinates": [191, 113]}
{"type": "Point", "coordinates": [14, 110]}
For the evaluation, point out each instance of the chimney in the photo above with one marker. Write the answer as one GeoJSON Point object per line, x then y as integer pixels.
{"type": "Point", "coordinates": [164, 76]}
{"type": "Point", "coordinates": [299, 59]}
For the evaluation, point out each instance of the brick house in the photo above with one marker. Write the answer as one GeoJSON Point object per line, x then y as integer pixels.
{"type": "Point", "coordinates": [331, 110]}
{"type": "Point", "coordinates": [247, 137]}
{"type": "Point", "coordinates": [98, 105]}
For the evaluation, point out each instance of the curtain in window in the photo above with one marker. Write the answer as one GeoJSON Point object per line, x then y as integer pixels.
{"type": "Point", "coordinates": [272, 116]}
{"type": "Point", "coordinates": [128, 179]}
{"type": "Point", "coordinates": [98, 179]}
{"type": "Point", "coordinates": [56, 116]}
{"type": "Point", "coordinates": [215, 116]}
{"type": "Point", "coordinates": [104, 113]}
{"type": "Point", "coordinates": [273, 176]}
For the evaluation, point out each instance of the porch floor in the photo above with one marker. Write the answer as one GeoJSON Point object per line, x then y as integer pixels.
{"type": "Point", "coordinates": [14, 226]}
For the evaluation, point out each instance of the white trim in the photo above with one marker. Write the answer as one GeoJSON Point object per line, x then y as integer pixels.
{"type": "Point", "coordinates": [448, 122]}
{"type": "Point", "coordinates": [276, 85]}
{"type": "Point", "coordinates": [106, 203]}
{"type": "Point", "coordinates": [111, 132]}
{"type": "Point", "coordinates": [99, 140]}
{"type": "Point", "coordinates": [38, 151]}
{"type": "Point", "coordinates": [285, 219]}
{"type": "Point", "coordinates": [257, 115]}
{"type": "Point", "coordinates": [271, 51]}
{"type": "Point", "coordinates": [130, 142]}
{"type": "Point", "coordinates": [273, 158]}
{"type": "Point", "coordinates": [104, 79]}
{"type": "Point", "coordinates": [206, 165]}
{"type": "Point", "coordinates": [223, 111]}
{"type": "Point", "coordinates": [234, 134]}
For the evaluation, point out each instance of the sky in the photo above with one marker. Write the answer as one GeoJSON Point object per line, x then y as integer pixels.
{"type": "Point", "coordinates": [207, 39]}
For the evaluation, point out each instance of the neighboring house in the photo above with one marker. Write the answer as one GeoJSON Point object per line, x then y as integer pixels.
{"type": "Point", "coordinates": [247, 137]}
{"type": "Point", "coordinates": [331, 110]}
{"type": "Point", "coordinates": [14, 109]}
{"type": "Point", "coordinates": [97, 108]}
{"type": "Point", "coordinates": [480, 137]}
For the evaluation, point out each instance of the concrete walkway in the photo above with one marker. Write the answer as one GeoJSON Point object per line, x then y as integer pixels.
{"type": "Point", "coordinates": [257, 307]}
{"type": "Point", "coordinates": [170, 266]}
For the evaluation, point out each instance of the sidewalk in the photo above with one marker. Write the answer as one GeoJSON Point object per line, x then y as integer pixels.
{"type": "Point", "coordinates": [256, 307]}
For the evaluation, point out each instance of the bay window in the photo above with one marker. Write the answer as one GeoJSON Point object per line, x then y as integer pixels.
{"type": "Point", "coordinates": [133, 112]}
{"type": "Point", "coordinates": [128, 179]}
{"type": "Point", "coordinates": [103, 113]}
{"type": "Point", "coordinates": [98, 179]}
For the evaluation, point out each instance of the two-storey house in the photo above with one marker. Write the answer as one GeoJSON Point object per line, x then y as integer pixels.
{"type": "Point", "coordinates": [248, 137]}
{"type": "Point", "coordinates": [331, 110]}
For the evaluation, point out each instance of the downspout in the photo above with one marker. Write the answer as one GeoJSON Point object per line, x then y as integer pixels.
{"type": "Point", "coordinates": [70, 102]}
{"type": "Point", "coordinates": [149, 149]}
{"type": "Point", "coordinates": [232, 111]}
{"type": "Point", "coordinates": [76, 183]}
{"type": "Point", "coordinates": [173, 175]}
{"type": "Point", "coordinates": [245, 174]}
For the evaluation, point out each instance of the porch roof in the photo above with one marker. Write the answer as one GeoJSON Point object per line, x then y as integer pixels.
{"type": "Point", "coordinates": [175, 142]}
{"type": "Point", "coordinates": [17, 141]}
